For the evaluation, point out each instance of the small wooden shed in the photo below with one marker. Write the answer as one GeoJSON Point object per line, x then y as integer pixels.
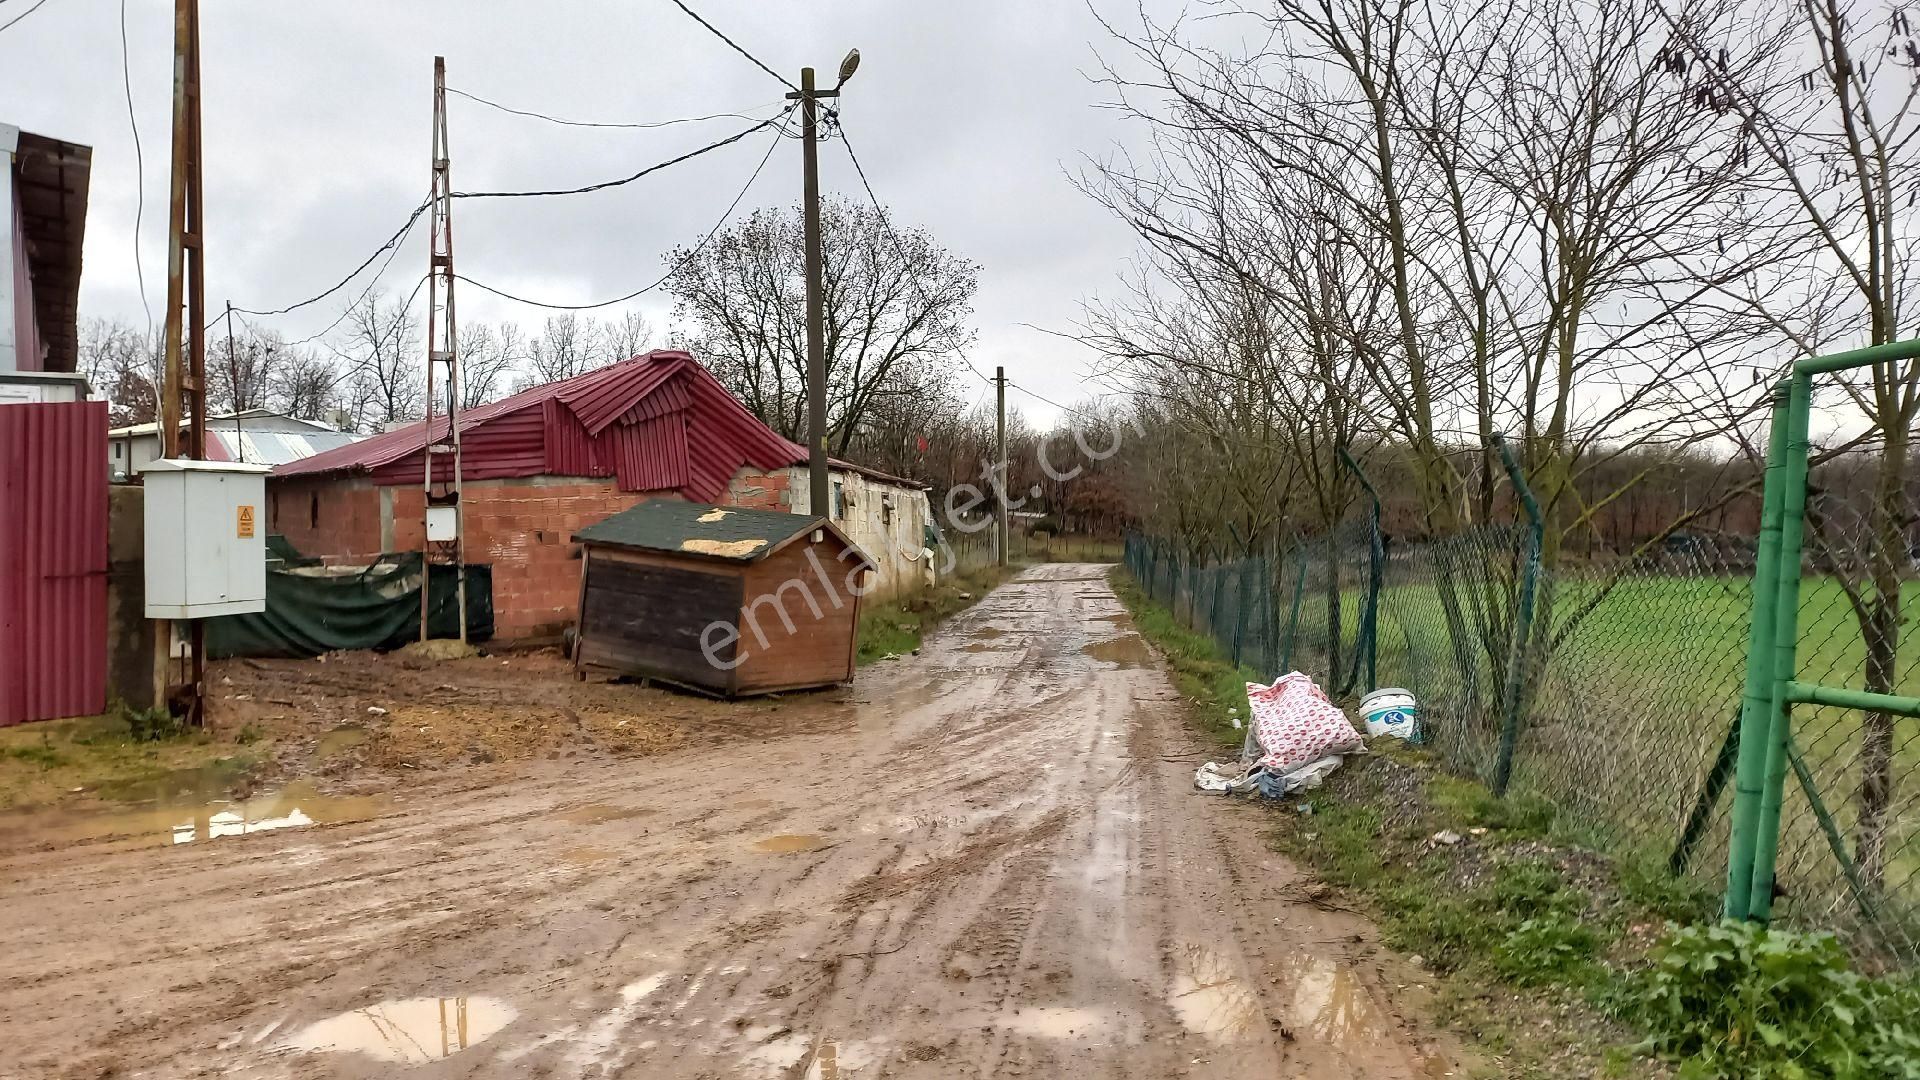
{"type": "Point", "coordinates": [718, 598]}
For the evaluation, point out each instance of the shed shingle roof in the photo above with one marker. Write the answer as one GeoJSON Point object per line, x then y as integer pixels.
{"type": "Point", "coordinates": [718, 532]}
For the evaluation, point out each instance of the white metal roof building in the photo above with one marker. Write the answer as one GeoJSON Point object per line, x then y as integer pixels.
{"type": "Point", "coordinates": [254, 436]}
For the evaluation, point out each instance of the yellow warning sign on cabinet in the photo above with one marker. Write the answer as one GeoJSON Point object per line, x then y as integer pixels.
{"type": "Point", "coordinates": [245, 529]}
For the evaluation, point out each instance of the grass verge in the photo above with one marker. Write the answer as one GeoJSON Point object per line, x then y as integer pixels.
{"type": "Point", "coordinates": [1559, 961]}
{"type": "Point", "coordinates": [112, 755]}
{"type": "Point", "coordinates": [895, 629]}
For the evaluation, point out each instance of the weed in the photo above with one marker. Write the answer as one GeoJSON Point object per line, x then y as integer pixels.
{"type": "Point", "coordinates": [45, 755]}
{"type": "Point", "coordinates": [248, 735]}
{"type": "Point", "coordinates": [1648, 885]}
{"type": "Point", "coordinates": [1738, 999]}
{"type": "Point", "coordinates": [1545, 949]}
{"type": "Point", "coordinates": [149, 725]}
{"type": "Point", "coordinates": [1529, 890]}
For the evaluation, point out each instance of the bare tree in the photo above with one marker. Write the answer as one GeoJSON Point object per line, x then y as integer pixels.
{"type": "Point", "coordinates": [126, 366]}
{"type": "Point", "coordinates": [626, 338]}
{"type": "Point", "coordinates": [896, 310]}
{"type": "Point", "coordinates": [566, 347]}
{"type": "Point", "coordinates": [488, 359]}
{"type": "Point", "coordinates": [385, 372]}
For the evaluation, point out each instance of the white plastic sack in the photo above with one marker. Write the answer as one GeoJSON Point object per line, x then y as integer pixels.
{"type": "Point", "coordinates": [1295, 724]}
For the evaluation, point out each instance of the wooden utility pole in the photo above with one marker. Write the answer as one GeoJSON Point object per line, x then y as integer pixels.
{"type": "Point", "coordinates": [442, 348]}
{"type": "Point", "coordinates": [808, 97]}
{"type": "Point", "coordinates": [1000, 461]}
{"type": "Point", "coordinates": [186, 381]}
{"type": "Point", "coordinates": [817, 478]}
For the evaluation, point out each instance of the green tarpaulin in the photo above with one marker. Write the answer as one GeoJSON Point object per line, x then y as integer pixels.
{"type": "Point", "coordinates": [315, 609]}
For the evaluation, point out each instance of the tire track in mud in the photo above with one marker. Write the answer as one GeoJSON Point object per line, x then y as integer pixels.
{"type": "Point", "coordinates": [1008, 882]}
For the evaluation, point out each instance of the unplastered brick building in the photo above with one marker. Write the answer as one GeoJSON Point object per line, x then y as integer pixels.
{"type": "Point", "coordinates": [542, 464]}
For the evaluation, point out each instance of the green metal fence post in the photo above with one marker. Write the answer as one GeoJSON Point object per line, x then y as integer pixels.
{"type": "Point", "coordinates": [1786, 637]}
{"type": "Point", "coordinates": [1757, 699]}
{"type": "Point", "coordinates": [1240, 609]}
{"type": "Point", "coordinates": [1522, 622]}
{"type": "Point", "coordinates": [1366, 644]}
{"type": "Point", "coordinates": [1293, 619]}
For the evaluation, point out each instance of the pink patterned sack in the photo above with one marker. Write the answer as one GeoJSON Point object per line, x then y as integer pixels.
{"type": "Point", "coordinates": [1295, 723]}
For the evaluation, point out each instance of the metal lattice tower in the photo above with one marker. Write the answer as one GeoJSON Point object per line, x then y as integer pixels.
{"type": "Point", "coordinates": [442, 350]}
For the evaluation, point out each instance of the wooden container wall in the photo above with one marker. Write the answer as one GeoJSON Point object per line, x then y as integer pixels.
{"type": "Point", "coordinates": [643, 614]}
{"type": "Point", "coordinates": [821, 649]}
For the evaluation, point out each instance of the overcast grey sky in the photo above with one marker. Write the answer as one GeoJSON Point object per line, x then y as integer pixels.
{"type": "Point", "coordinates": [967, 117]}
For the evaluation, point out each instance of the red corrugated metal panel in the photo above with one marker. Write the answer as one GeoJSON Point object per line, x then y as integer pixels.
{"type": "Point", "coordinates": [610, 422]}
{"type": "Point", "coordinates": [601, 398]}
{"type": "Point", "coordinates": [53, 561]}
{"type": "Point", "coordinates": [650, 456]}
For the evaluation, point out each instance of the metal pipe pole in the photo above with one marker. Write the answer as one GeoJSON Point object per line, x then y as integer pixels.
{"type": "Point", "coordinates": [817, 480]}
{"type": "Point", "coordinates": [1756, 699]}
{"type": "Point", "coordinates": [1786, 639]}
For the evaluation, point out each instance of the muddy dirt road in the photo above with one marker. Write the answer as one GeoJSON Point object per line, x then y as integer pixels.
{"type": "Point", "coordinates": [989, 866]}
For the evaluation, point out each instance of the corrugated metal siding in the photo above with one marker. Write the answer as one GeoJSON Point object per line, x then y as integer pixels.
{"type": "Point", "coordinates": [53, 561]}
{"type": "Point", "coordinates": [650, 456]}
{"type": "Point", "coordinates": [659, 422]}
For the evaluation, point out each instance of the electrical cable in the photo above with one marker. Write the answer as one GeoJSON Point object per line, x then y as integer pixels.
{"type": "Point", "coordinates": [392, 243]}
{"type": "Point", "coordinates": [597, 124]}
{"type": "Point", "coordinates": [605, 184]}
{"type": "Point", "coordinates": [697, 248]}
{"type": "Point", "coordinates": [887, 220]}
{"type": "Point", "coordinates": [139, 168]}
{"type": "Point", "coordinates": [695, 16]}
{"type": "Point", "coordinates": [22, 15]}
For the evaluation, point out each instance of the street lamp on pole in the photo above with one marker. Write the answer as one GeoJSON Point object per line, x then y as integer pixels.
{"type": "Point", "coordinates": [808, 96]}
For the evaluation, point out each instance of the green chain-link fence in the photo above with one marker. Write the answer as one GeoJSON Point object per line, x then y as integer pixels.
{"type": "Point", "coordinates": [1618, 702]}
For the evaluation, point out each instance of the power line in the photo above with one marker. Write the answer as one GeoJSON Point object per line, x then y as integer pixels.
{"type": "Point", "coordinates": [886, 220]}
{"type": "Point", "coordinates": [649, 170]}
{"type": "Point", "coordinates": [392, 243]}
{"type": "Point", "coordinates": [400, 235]}
{"type": "Point", "coordinates": [22, 15]}
{"type": "Point", "coordinates": [697, 248]}
{"type": "Point", "coordinates": [695, 16]}
{"type": "Point", "coordinates": [607, 124]}
{"type": "Point", "coordinates": [139, 168]}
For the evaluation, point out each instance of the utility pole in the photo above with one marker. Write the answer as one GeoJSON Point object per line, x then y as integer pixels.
{"type": "Point", "coordinates": [186, 381]}
{"type": "Point", "coordinates": [1000, 461]}
{"type": "Point", "coordinates": [808, 97]}
{"type": "Point", "coordinates": [442, 348]}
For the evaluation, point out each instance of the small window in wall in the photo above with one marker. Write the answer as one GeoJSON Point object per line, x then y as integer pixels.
{"type": "Point", "coordinates": [116, 451]}
{"type": "Point", "coordinates": [886, 509]}
{"type": "Point", "coordinates": [313, 512]}
{"type": "Point", "coordinates": [839, 500]}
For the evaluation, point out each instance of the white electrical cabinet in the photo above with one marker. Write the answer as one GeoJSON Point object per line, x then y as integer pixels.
{"type": "Point", "coordinates": [206, 538]}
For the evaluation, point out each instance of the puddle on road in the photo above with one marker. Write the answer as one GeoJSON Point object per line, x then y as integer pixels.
{"type": "Point", "coordinates": [413, 1031]}
{"type": "Point", "coordinates": [338, 741]}
{"type": "Point", "coordinates": [170, 821]}
{"type": "Point", "coordinates": [1089, 1025]}
{"type": "Point", "coordinates": [1210, 997]}
{"type": "Point", "coordinates": [985, 646]}
{"type": "Point", "coordinates": [1330, 1003]}
{"type": "Point", "coordinates": [792, 842]}
{"type": "Point", "coordinates": [585, 855]}
{"type": "Point", "coordinates": [1130, 651]}
{"type": "Point", "coordinates": [599, 813]}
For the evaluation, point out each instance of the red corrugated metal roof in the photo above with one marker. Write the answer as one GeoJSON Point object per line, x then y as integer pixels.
{"type": "Point", "coordinates": [655, 422]}
{"type": "Point", "coordinates": [53, 561]}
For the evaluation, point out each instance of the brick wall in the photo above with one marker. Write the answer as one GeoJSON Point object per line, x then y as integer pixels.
{"type": "Point", "coordinates": [524, 529]}
{"type": "Point", "coordinates": [761, 491]}
{"type": "Point", "coordinates": [326, 517]}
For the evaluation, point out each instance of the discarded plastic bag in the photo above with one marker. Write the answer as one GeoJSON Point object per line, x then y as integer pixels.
{"type": "Point", "coordinates": [1219, 779]}
{"type": "Point", "coordinates": [1305, 778]}
{"type": "Point", "coordinates": [1296, 725]}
